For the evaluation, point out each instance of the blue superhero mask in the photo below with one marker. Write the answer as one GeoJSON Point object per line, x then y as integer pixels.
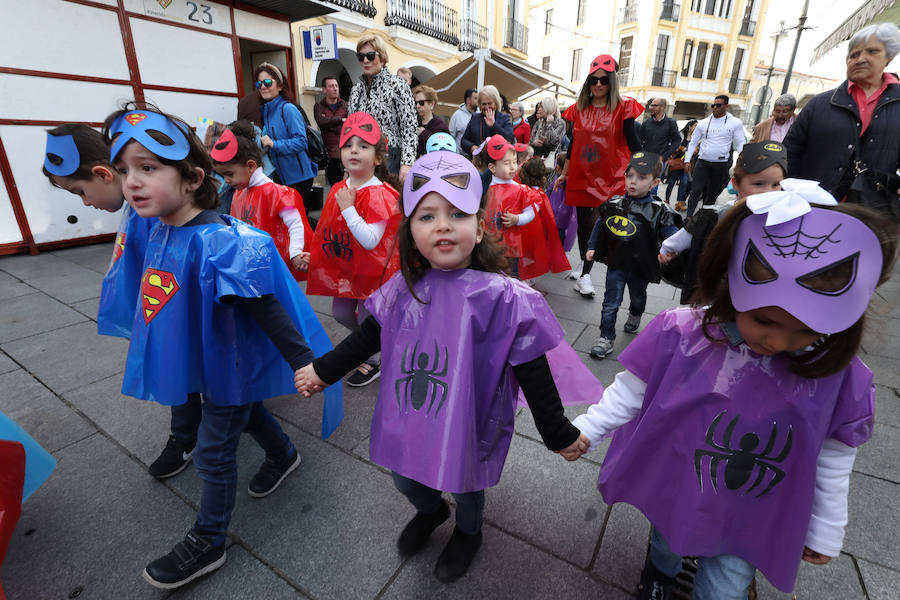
{"type": "Point", "coordinates": [137, 124]}
{"type": "Point", "coordinates": [61, 156]}
{"type": "Point", "coordinates": [440, 141]}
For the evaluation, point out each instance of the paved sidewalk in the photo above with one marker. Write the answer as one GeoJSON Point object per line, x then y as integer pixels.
{"type": "Point", "coordinates": [330, 530]}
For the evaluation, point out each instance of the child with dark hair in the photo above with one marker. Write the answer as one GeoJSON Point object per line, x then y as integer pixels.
{"type": "Point", "coordinates": [77, 160]}
{"type": "Point", "coordinates": [626, 238]}
{"type": "Point", "coordinates": [446, 407]}
{"type": "Point", "coordinates": [751, 402]}
{"type": "Point", "coordinates": [276, 209]}
{"type": "Point", "coordinates": [219, 316]}
{"type": "Point", "coordinates": [533, 175]}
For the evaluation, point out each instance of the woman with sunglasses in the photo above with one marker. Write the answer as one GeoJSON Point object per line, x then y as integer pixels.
{"type": "Point", "coordinates": [284, 132]}
{"type": "Point", "coordinates": [603, 137]}
{"type": "Point", "coordinates": [429, 123]}
{"type": "Point", "coordinates": [387, 98]}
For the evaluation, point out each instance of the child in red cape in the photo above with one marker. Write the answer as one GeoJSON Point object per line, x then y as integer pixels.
{"type": "Point", "coordinates": [533, 175]}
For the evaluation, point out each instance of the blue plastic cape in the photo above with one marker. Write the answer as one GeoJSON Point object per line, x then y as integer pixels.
{"type": "Point", "coordinates": [185, 338]}
{"type": "Point", "coordinates": [122, 282]}
{"type": "Point", "coordinates": [39, 464]}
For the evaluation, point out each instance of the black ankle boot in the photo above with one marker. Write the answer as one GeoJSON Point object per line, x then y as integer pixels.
{"type": "Point", "coordinates": [417, 531]}
{"type": "Point", "coordinates": [457, 555]}
{"type": "Point", "coordinates": [654, 584]}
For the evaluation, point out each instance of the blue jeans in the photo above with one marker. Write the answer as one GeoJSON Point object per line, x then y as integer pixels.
{"type": "Point", "coordinates": [612, 299]}
{"type": "Point", "coordinates": [469, 506]}
{"type": "Point", "coordinates": [186, 419]}
{"type": "Point", "coordinates": [684, 185]}
{"type": "Point", "coordinates": [723, 577]}
{"type": "Point", "coordinates": [215, 459]}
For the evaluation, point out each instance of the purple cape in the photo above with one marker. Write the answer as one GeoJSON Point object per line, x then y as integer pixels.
{"type": "Point", "coordinates": [447, 399]}
{"type": "Point", "coordinates": [722, 456]}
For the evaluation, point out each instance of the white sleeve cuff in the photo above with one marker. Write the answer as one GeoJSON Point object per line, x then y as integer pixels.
{"type": "Point", "coordinates": [526, 216]}
{"type": "Point", "coordinates": [619, 404]}
{"type": "Point", "coordinates": [291, 218]}
{"type": "Point", "coordinates": [829, 510]}
{"type": "Point", "coordinates": [367, 234]}
{"type": "Point", "coordinates": [677, 242]}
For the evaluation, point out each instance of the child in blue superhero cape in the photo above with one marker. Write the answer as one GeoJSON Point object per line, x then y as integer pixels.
{"type": "Point", "coordinates": [219, 314]}
{"type": "Point", "coordinates": [77, 160]}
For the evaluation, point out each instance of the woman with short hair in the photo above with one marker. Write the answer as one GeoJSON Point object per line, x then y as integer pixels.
{"type": "Point", "coordinates": [521, 128]}
{"type": "Point", "coordinates": [429, 123]}
{"type": "Point", "coordinates": [490, 121]}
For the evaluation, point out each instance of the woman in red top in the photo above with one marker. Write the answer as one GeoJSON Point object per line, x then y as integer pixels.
{"type": "Point", "coordinates": [521, 127]}
{"type": "Point", "coordinates": [601, 124]}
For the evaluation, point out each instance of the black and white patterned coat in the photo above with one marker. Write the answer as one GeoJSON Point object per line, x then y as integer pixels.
{"type": "Point", "coordinates": [390, 101]}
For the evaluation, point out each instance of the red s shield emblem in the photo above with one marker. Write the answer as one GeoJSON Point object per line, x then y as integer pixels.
{"type": "Point", "coordinates": [119, 246]}
{"type": "Point", "coordinates": [135, 118]}
{"type": "Point", "coordinates": [157, 288]}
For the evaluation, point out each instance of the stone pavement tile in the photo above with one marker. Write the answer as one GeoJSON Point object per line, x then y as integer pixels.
{"type": "Point", "coordinates": [665, 291]}
{"type": "Point", "coordinates": [331, 528]}
{"type": "Point", "coordinates": [623, 548]}
{"type": "Point", "coordinates": [92, 527]}
{"type": "Point", "coordinates": [882, 343]}
{"type": "Point", "coordinates": [76, 283]}
{"type": "Point", "coordinates": [505, 568]}
{"type": "Point", "coordinates": [874, 526]}
{"type": "Point", "coordinates": [525, 427]}
{"type": "Point", "coordinates": [606, 369]}
{"type": "Point", "coordinates": [47, 419]}
{"type": "Point", "coordinates": [24, 316]}
{"type": "Point", "coordinates": [95, 257]}
{"type": "Point", "coordinates": [881, 583]}
{"type": "Point", "coordinates": [878, 456]}
{"type": "Point", "coordinates": [26, 266]}
{"type": "Point", "coordinates": [575, 307]}
{"type": "Point", "coordinates": [6, 363]}
{"type": "Point", "coordinates": [88, 307]}
{"type": "Point", "coordinates": [887, 406]}
{"type": "Point", "coordinates": [10, 287]}
{"type": "Point", "coordinates": [320, 304]}
{"type": "Point", "coordinates": [885, 369]}
{"type": "Point", "coordinates": [70, 357]}
{"type": "Point", "coordinates": [573, 329]}
{"type": "Point", "coordinates": [548, 502]}
{"type": "Point", "coordinates": [591, 334]}
{"type": "Point", "coordinates": [142, 427]}
{"type": "Point", "coordinates": [242, 576]}
{"type": "Point", "coordinates": [838, 580]}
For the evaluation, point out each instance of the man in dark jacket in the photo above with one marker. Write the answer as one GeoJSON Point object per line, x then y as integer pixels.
{"type": "Point", "coordinates": [659, 132]}
{"type": "Point", "coordinates": [330, 113]}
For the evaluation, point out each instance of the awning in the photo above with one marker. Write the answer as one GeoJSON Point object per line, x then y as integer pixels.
{"type": "Point", "coordinates": [296, 10]}
{"type": "Point", "coordinates": [873, 11]}
{"type": "Point", "coordinates": [516, 79]}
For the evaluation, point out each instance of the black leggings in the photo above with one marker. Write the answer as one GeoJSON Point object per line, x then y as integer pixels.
{"type": "Point", "coordinates": [586, 216]}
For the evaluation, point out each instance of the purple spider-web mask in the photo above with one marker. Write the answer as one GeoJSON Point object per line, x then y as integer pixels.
{"type": "Point", "coordinates": [796, 257]}
{"type": "Point", "coordinates": [446, 173]}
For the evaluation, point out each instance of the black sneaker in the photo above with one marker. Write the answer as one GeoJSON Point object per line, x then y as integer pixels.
{"type": "Point", "coordinates": [173, 459]}
{"type": "Point", "coordinates": [359, 379]}
{"type": "Point", "coordinates": [188, 560]}
{"type": "Point", "coordinates": [457, 555]}
{"type": "Point", "coordinates": [654, 584]}
{"type": "Point", "coordinates": [272, 473]}
{"type": "Point", "coordinates": [419, 529]}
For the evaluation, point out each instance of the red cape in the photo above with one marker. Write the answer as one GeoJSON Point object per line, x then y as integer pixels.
{"type": "Point", "coordinates": [259, 206]}
{"type": "Point", "coordinates": [556, 260]}
{"type": "Point", "coordinates": [339, 265]}
{"type": "Point", "coordinates": [599, 152]}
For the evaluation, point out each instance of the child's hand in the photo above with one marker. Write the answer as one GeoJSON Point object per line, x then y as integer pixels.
{"type": "Point", "coordinates": [589, 255]}
{"type": "Point", "coordinates": [307, 382]}
{"type": "Point", "coordinates": [301, 261]}
{"type": "Point", "coordinates": [266, 141]}
{"type": "Point", "coordinates": [813, 557]}
{"type": "Point", "coordinates": [559, 181]}
{"type": "Point", "coordinates": [346, 197]}
{"type": "Point", "coordinates": [577, 449]}
{"type": "Point", "coordinates": [665, 258]}
{"type": "Point", "coordinates": [509, 219]}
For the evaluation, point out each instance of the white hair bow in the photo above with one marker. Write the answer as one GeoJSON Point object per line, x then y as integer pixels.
{"type": "Point", "coordinates": [792, 201]}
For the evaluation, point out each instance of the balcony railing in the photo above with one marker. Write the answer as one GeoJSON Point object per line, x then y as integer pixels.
{"type": "Point", "coordinates": [472, 35]}
{"type": "Point", "coordinates": [748, 28]}
{"type": "Point", "coordinates": [738, 87]}
{"type": "Point", "coordinates": [516, 36]}
{"type": "Point", "coordinates": [364, 7]}
{"type": "Point", "coordinates": [428, 17]}
{"type": "Point", "coordinates": [663, 78]}
{"type": "Point", "coordinates": [628, 14]}
{"type": "Point", "coordinates": [670, 11]}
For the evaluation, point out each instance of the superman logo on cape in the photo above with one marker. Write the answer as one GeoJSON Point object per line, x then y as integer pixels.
{"type": "Point", "coordinates": [157, 288]}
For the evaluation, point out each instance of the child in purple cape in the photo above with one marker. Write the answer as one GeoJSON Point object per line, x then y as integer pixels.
{"type": "Point", "coordinates": [737, 419]}
{"type": "Point", "coordinates": [457, 338]}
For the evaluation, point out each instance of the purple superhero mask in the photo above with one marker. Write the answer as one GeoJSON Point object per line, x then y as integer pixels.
{"type": "Point", "coordinates": [819, 265]}
{"type": "Point", "coordinates": [61, 156]}
{"type": "Point", "coordinates": [137, 125]}
{"type": "Point", "coordinates": [446, 173]}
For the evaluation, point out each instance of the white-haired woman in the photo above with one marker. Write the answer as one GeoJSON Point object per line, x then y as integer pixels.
{"type": "Point", "coordinates": [488, 122]}
{"type": "Point", "coordinates": [521, 127]}
{"type": "Point", "coordinates": [548, 129]}
{"type": "Point", "coordinates": [858, 120]}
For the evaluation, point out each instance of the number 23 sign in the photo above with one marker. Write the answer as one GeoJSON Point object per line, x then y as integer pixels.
{"type": "Point", "coordinates": [199, 14]}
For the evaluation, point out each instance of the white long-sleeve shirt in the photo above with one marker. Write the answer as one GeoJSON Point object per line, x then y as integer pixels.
{"type": "Point", "coordinates": [367, 234]}
{"type": "Point", "coordinates": [527, 215]}
{"type": "Point", "coordinates": [719, 137]}
{"type": "Point", "coordinates": [290, 216]}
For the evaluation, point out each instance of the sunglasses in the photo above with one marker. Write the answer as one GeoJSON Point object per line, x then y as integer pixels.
{"type": "Point", "coordinates": [717, 105]}
{"type": "Point", "coordinates": [369, 56]}
{"type": "Point", "coordinates": [267, 83]}
{"type": "Point", "coordinates": [595, 80]}
{"type": "Point", "coordinates": [421, 102]}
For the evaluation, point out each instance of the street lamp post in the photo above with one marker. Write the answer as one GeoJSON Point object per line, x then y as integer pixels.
{"type": "Point", "coordinates": [781, 33]}
{"type": "Point", "coordinates": [800, 27]}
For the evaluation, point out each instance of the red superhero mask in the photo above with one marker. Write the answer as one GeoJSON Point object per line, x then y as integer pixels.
{"type": "Point", "coordinates": [225, 148]}
{"type": "Point", "coordinates": [363, 125]}
{"type": "Point", "coordinates": [605, 62]}
{"type": "Point", "coordinates": [497, 147]}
